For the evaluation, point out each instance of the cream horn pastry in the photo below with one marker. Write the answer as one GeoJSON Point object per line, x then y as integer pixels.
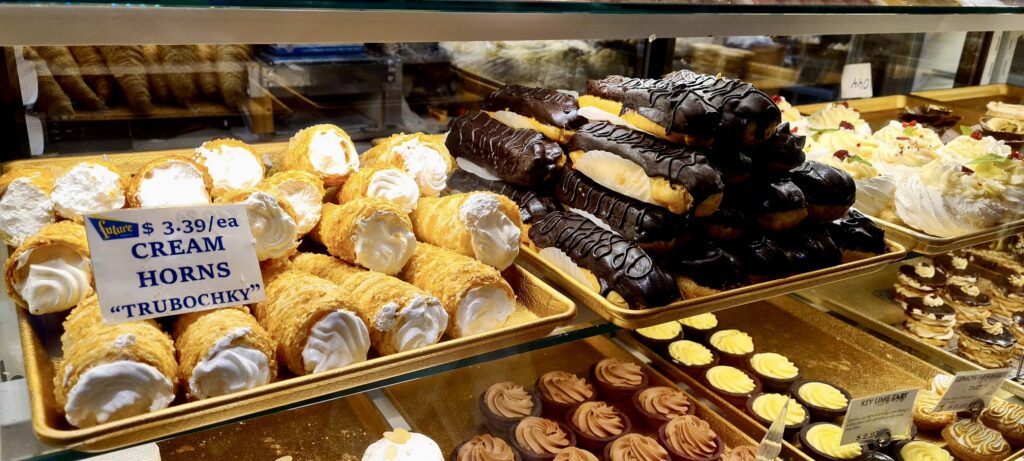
{"type": "Point", "coordinates": [482, 225]}
{"type": "Point", "coordinates": [532, 205]}
{"type": "Point", "coordinates": [647, 169]}
{"type": "Point", "coordinates": [51, 270]}
{"type": "Point", "coordinates": [519, 156]}
{"type": "Point", "coordinates": [112, 372]}
{"type": "Point", "coordinates": [170, 181]}
{"type": "Point", "coordinates": [232, 164]}
{"type": "Point", "coordinates": [272, 220]}
{"type": "Point", "coordinates": [550, 112]}
{"type": "Point", "coordinates": [313, 321]}
{"type": "Point", "coordinates": [475, 295]}
{"type": "Point", "coordinates": [401, 317]}
{"type": "Point", "coordinates": [25, 204]}
{"type": "Point", "coordinates": [424, 157]}
{"type": "Point", "coordinates": [324, 150]}
{"type": "Point", "coordinates": [391, 184]}
{"type": "Point", "coordinates": [222, 351]}
{"type": "Point", "coordinates": [620, 263]}
{"type": "Point", "coordinates": [304, 192]}
{"type": "Point", "coordinates": [89, 187]}
{"type": "Point", "coordinates": [371, 232]}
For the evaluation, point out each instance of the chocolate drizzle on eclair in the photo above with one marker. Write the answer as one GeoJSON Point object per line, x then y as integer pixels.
{"type": "Point", "coordinates": [532, 205]}
{"type": "Point", "coordinates": [519, 156]}
{"type": "Point", "coordinates": [708, 265]}
{"type": "Point", "coordinates": [748, 116]}
{"type": "Point", "coordinates": [632, 219]}
{"type": "Point", "coordinates": [781, 152]}
{"type": "Point", "coordinates": [978, 331]}
{"type": "Point", "coordinates": [547, 106]}
{"type": "Point", "coordinates": [858, 233]}
{"type": "Point", "coordinates": [627, 268]}
{"type": "Point", "coordinates": [660, 102]}
{"type": "Point", "coordinates": [824, 185]}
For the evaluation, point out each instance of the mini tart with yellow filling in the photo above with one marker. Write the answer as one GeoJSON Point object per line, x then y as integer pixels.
{"type": "Point", "coordinates": [735, 347]}
{"type": "Point", "coordinates": [699, 327]}
{"type": "Point", "coordinates": [825, 401]}
{"type": "Point", "coordinates": [821, 442]}
{"type": "Point", "coordinates": [733, 384]}
{"type": "Point", "coordinates": [659, 336]}
{"type": "Point", "coordinates": [776, 371]}
{"type": "Point", "coordinates": [691, 357]}
{"type": "Point", "coordinates": [766, 407]}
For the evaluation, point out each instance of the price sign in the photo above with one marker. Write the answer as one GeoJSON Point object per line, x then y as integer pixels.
{"type": "Point", "coordinates": [872, 418]}
{"type": "Point", "coordinates": [157, 262]}
{"type": "Point", "coordinates": [856, 81]}
{"type": "Point", "coordinates": [972, 388]}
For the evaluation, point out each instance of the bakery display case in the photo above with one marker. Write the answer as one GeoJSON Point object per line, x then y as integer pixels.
{"type": "Point", "coordinates": [516, 231]}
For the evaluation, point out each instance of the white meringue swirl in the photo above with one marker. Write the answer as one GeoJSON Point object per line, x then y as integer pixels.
{"type": "Point", "coordinates": [52, 278]}
{"type": "Point", "coordinates": [117, 390]}
{"type": "Point", "coordinates": [421, 323]}
{"type": "Point", "coordinates": [426, 165]}
{"type": "Point", "coordinates": [383, 242]}
{"type": "Point", "coordinates": [483, 309]}
{"type": "Point", "coordinates": [335, 341]}
{"type": "Point", "coordinates": [495, 237]}
{"type": "Point", "coordinates": [227, 368]}
{"type": "Point", "coordinates": [395, 186]}
{"type": "Point", "coordinates": [274, 230]}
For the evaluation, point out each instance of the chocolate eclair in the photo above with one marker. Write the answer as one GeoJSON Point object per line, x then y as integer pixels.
{"type": "Point", "coordinates": [747, 116]}
{"type": "Point", "coordinates": [519, 156]}
{"type": "Point", "coordinates": [625, 267]}
{"type": "Point", "coordinates": [987, 343]}
{"type": "Point", "coordinates": [551, 112]}
{"type": "Point", "coordinates": [829, 191]}
{"type": "Point", "coordinates": [735, 167]}
{"type": "Point", "coordinates": [727, 223]}
{"type": "Point", "coordinates": [651, 105]}
{"type": "Point", "coordinates": [762, 258]}
{"type": "Point", "coordinates": [707, 267]}
{"type": "Point", "coordinates": [780, 153]}
{"type": "Point", "coordinates": [956, 267]}
{"type": "Point", "coordinates": [810, 248]}
{"type": "Point", "coordinates": [675, 177]}
{"type": "Point", "coordinates": [776, 205]}
{"type": "Point", "coordinates": [652, 227]}
{"type": "Point", "coordinates": [532, 205]}
{"type": "Point", "coordinates": [857, 235]}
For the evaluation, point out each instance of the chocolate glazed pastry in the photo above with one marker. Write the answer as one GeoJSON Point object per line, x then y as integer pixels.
{"type": "Point", "coordinates": [681, 166]}
{"type": "Point", "coordinates": [547, 106]}
{"type": "Point", "coordinates": [829, 191]}
{"type": "Point", "coordinates": [748, 116]}
{"type": "Point", "coordinates": [651, 226]}
{"type": "Point", "coordinates": [810, 248]}
{"type": "Point", "coordinates": [532, 205]}
{"type": "Point", "coordinates": [777, 205]}
{"type": "Point", "coordinates": [780, 153]}
{"type": "Point", "coordinates": [735, 167]}
{"type": "Point", "coordinates": [623, 265]}
{"type": "Point", "coordinates": [676, 112]}
{"type": "Point", "coordinates": [708, 265]}
{"type": "Point", "coordinates": [762, 258]}
{"type": "Point", "coordinates": [519, 156]}
{"type": "Point", "coordinates": [727, 223]}
{"type": "Point", "coordinates": [857, 236]}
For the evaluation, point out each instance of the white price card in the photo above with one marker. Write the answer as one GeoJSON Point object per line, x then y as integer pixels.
{"type": "Point", "coordinates": [969, 387]}
{"type": "Point", "coordinates": [856, 81]}
{"type": "Point", "coordinates": [867, 419]}
{"type": "Point", "coordinates": [156, 262]}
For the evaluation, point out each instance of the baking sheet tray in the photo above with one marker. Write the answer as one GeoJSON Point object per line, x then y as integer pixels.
{"type": "Point", "coordinates": [879, 111]}
{"type": "Point", "coordinates": [975, 98]}
{"type": "Point", "coordinates": [919, 242]}
{"type": "Point", "coordinates": [452, 397]}
{"type": "Point", "coordinates": [636, 318]}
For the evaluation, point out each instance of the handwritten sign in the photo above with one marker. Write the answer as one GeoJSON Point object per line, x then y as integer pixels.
{"type": "Point", "coordinates": [856, 81]}
{"type": "Point", "coordinates": [157, 262]}
{"type": "Point", "coordinates": [870, 418]}
{"type": "Point", "coordinates": [971, 388]}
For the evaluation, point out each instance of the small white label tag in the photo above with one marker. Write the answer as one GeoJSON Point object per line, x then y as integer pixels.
{"type": "Point", "coordinates": [969, 387]}
{"type": "Point", "coordinates": [856, 82]}
{"type": "Point", "coordinates": [157, 262]}
{"type": "Point", "coordinates": [868, 418]}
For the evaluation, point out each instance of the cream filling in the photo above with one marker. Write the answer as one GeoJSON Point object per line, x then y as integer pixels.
{"type": "Point", "coordinates": [383, 242]}
{"type": "Point", "coordinates": [24, 210]}
{"type": "Point", "coordinates": [333, 154]}
{"type": "Point", "coordinates": [593, 114]}
{"type": "Point", "coordinates": [420, 324]}
{"type": "Point", "coordinates": [117, 390]}
{"type": "Point", "coordinates": [616, 173]}
{"type": "Point", "coordinates": [231, 167]}
{"type": "Point", "coordinates": [495, 238]}
{"type": "Point", "coordinates": [335, 341]}
{"type": "Point", "coordinates": [87, 188]}
{"type": "Point", "coordinates": [175, 183]}
{"type": "Point", "coordinates": [564, 263]}
{"type": "Point", "coordinates": [52, 278]}
{"type": "Point", "coordinates": [483, 309]}
{"type": "Point", "coordinates": [468, 166]}
{"type": "Point", "coordinates": [512, 120]}
{"type": "Point", "coordinates": [426, 165]}
{"type": "Point", "coordinates": [411, 447]}
{"type": "Point", "coordinates": [274, 230]}
{"type": "Point", "coordinates": [305, 199]}
{"type": "Point", "coordinates": [227, 369]}
{"type": "Point", "coordinates": [396, 187]}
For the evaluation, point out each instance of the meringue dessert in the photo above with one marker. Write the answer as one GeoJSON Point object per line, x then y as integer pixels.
{"type": "Point", "coordinates": [88, 187]}
{"type": "Point", "coordinates": [50, 271]}
{"type": "Point", "coordinates": [402, 445]}
{"type": "Point", "coordinates": [25, 205]}
{"type": "Point", "coordinates": [232, 165]}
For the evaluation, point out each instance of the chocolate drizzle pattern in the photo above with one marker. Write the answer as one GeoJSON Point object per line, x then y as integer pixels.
{"type": "Point", "coordinates": [824, 184]}
{"type": "Point", "coordinates": [532, 205]}
{"type": "Point", "coordinates": [632, 219]}
{"type": "Point", "coordinates": [548, 106]}
{"type": "Point", "coordinates": [623, 265]}
{"type": "Point", "coordinates": [660, 101]}
{"type": "Point", "coordinates": [746, 113]}
{"type": "Point", "coordinates": [857, 232]}
{"type": "Point", "coordinates": [519, 156]}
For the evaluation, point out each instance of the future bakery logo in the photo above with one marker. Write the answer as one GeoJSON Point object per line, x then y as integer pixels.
{"type": "Point", "coordinates": [109, 229]}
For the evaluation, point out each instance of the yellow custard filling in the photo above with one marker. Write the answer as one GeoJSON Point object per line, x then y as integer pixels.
{"type": "Point", "coordinates": [733, 342]}
{"type": "Point", "coordinates": [924, 451]}
{"type": "Point", "coordinates": [823, 396]}
{"type": "Point", "coordinates": [825, 438]}
{"type": "Point", "coordinates": [769, 406]}
{"type": "Point", "coordinates": [663, 332]}
{"type": "Point", "coordinates": [690, 353]}
{"type": "Point", "coordinates": [730, 379]}
{"type": "Point", "coordinates": [700, 321]}
{"type": "Point", "coordinates": [774, 365]}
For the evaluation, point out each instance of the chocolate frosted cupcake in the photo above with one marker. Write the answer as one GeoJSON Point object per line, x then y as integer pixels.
{"type": "Point", "coordinates": [821, 441]}
{"type": "Point", "coordinates": [970, 304]}
{"type": "Point", "coordinates": [916, 450]}
{"type": "Point", "coordinates": [616, 380]}
{"type": "Point", "coordinates": [857, 236]}
{"type": "Point", "coordinates": [765, 408]}
{"type": "Point", "coordinates": [635, 447]}
{"type": "Point", "coordinates": [506, 403]}
{"type": "Point", "coordinates": [1006, 418]}
{"type": "Point", "coordinates": [829, 191]}
{"type": "Point", "coordinates": [661, 404]}
{"type": "Point", "coordinates": [929, 319]}
{"type": "Point", "coordinates": [689, 438]}
{"type": "Point", "coordinates": [970, 440]}
{"type": "Point", "coordinates": [658, 337]}
{"type": "Point", "coordinates": [575, 454]}
{"type": "Point", "coordinates": [540, 439]}
{"type": "Point", "coordinates": [691, 357]}
{"type": "Point", "coordinates": [1007, 295]}
{"type": "Point", "coordinates": [484, 447]}
{"type": "Point", "coordinates": [776, 372]}
{"type": "Point", "coordinates": [561, 391]}
{"type": "Point", "coordinates": [956, 267]}
{"type": "Point", "coordinates": [988, 343]}
{"type": "Point", "coordinates": [825, 401]}
{"type": "Point", "coordinates": [699, 327]}
{"type": "Point", "coordinates": [596, 424]}
{"type": "Point", "coordinates": [915, 281]}
{"type": "Point", "coordinates": [733, 384]}
{"type": "Point", "coordinates": [733, 346]}
{"type": "Point", "coordinates": [744, 453]}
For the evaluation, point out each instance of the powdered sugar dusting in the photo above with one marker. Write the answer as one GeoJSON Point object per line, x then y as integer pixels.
{"type": "Point", "coordinates": [476, 207]}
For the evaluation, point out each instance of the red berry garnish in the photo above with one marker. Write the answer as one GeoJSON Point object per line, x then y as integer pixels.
{"type": "Point", "coordinates": [841, 154]}
{"type": "Point", "coordinates": [1016, 155]}
{"type": "Point", "coordinates": [902, 138]}
{"type": "Point", "coordinates": [845, 104]}
{"type": "Point", "coordinates": [846, 125]}
{"type": "Point", "coordinates": [976, 136]}
{"type": "Point", "coordinates": [776, 99]}
{"type": "Point", "coordinates": [966, 171]}
{"type": "Point", "coordinates": [794, 130]}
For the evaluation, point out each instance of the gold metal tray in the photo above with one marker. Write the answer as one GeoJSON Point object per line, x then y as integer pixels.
{"type": "Point", "coordinates": [920, 242]}
{"type": "Point", "coordinates": [129, 162]}
{"type": "Point", "coordinates": [637, 318]}
{"type": "Point", "coordinates": [451, 397]}
{"type": "Point", "coordinates": [878, 112]}
{"type": "Point", "coordinates": [975, 98]}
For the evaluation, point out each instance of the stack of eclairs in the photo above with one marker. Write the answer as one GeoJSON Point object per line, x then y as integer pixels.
{"type": "Point", "coordinates": [652, 190]}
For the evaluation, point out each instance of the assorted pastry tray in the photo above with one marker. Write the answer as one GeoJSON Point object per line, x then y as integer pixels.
{"type": "Point", "coordinates": [637, 318]}
{"type": "Point", "coordinates": [881, 110]}
{"type": "Point", "coordinates": [919, 242]}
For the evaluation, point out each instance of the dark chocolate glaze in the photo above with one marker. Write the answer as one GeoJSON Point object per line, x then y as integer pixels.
{"type": "Point", "coordinates": [748, 116]}
{"type": "Point", "coordinates": [632, 219]}
{"type": "Point", "coordinates": [810, 248]}
{"type": "Point", "coordinates": [707, 264]}
{"type": "Point", "coordinates": [761, 256]}
{"type": "Point", "coordinates": [781, 152]}
{"type": "Point", "coordinates": [773, 196]}
{"type": "Point", "coordinates": [959, 294]}
{"type": "Point", "coordinates": [930, 115]}
{"type": "Point", "coordinates": [944, 263]}
{"type": "Point", "coordinates": [532, 206]}
{"type": "Point", "coordinates": [661, 102]}
{"type": "Point", "coordinates": [858, 233]}
{"type": "Point", "coordinates": [734, 166]}
{"type": "Point", "coordinates": [824, 185]}
{"type": "Point", "coordinates": [624, 266]}
{"type": "Point", "coordinates": [521, 157]}
{"type": "Point", "coordinates": [942, 311]}
{"type": "Point", "coordinates": [728, 222]}
{"type": "Point", "coordinates": [874, 456]}
{"type": "Point", "coordinates": [548, 106]}
{"type": "Point", "coordinates": [976, 331]}
{"type": "Point", "coordinates": [678, 164]}
{"type": "Point", "coordinates": [938, 280]}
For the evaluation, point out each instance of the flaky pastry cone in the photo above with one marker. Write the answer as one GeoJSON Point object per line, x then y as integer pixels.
{"type": "Point", "coordinates": [475, 295]}
{"type": "Point", "coordinates": [50, 271]}
{"type": "Point", "coordinates": [271, 219]}
{"type": "Point", "coordinates": [111, 372]}
{"type": "Point", "coordinates": [391, 184]}
{"type": "Point", "coordinates": [324, 150]}
{"type": "Point", "coordinates": [25, 205]}
{"type": "Point", "coordinates": [89, 187]}
{"type": "Point", "coordinates": [423, 156]}
{"type": "Point", "coordinates": [482, 225]}
{"type": "Point", "coordinates": [232, 164]}
{"type": "Point", "coordinates": [401, 317]}
{"type": "Point", "coordinates": [170, 181]}
{"type": "Point", "coordinates": [312, 321]}
{"type": "Point", "coordinates": [303, 190]}
{"type": "Point", "coordinates": [371, 232]}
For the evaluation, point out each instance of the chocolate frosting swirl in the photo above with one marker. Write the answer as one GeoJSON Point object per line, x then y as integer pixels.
{"type": "Point", "coordinates": [619, 373]}
{"type": "Point", "coordinates": [744, 453]}
{"type": "Point", "coordinates": [665, 401]}
{"type": "Point", "coordinates": [691, 436]}
{"type": "Point", "coordinates": [509, 399]}
{"type": "Point", "coordinates": [541, 436]}
{"type": "Point", "coordinates": [620, 263]}
{"type": "Point", "coordinates": [532, 205]}
{"type": "Point", "coordinates": [598, 420]}
{"type": "Point", "coordinates": [824, 184]}
{"type": "Point", "coordinates": [565, 388]}
{"type": "Point", "coordinates": [636, 447]}
{"type": "Point", "coordinates": [519, 156]}
{"type": "Point", "coordinates": [632, 219]}
{"type": "Point", "coordinates": [575, 454]}
{"type": "Point", "coordinates": [980, 438]}
{"type": "Point", "coordinates": [977, 331]}
{"type": "Point", "coordinates": [485, 447]}
{"type": "Point", "coordinates": [549, 106]}
{"type": "Point", "coordinates": [857, 232]}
